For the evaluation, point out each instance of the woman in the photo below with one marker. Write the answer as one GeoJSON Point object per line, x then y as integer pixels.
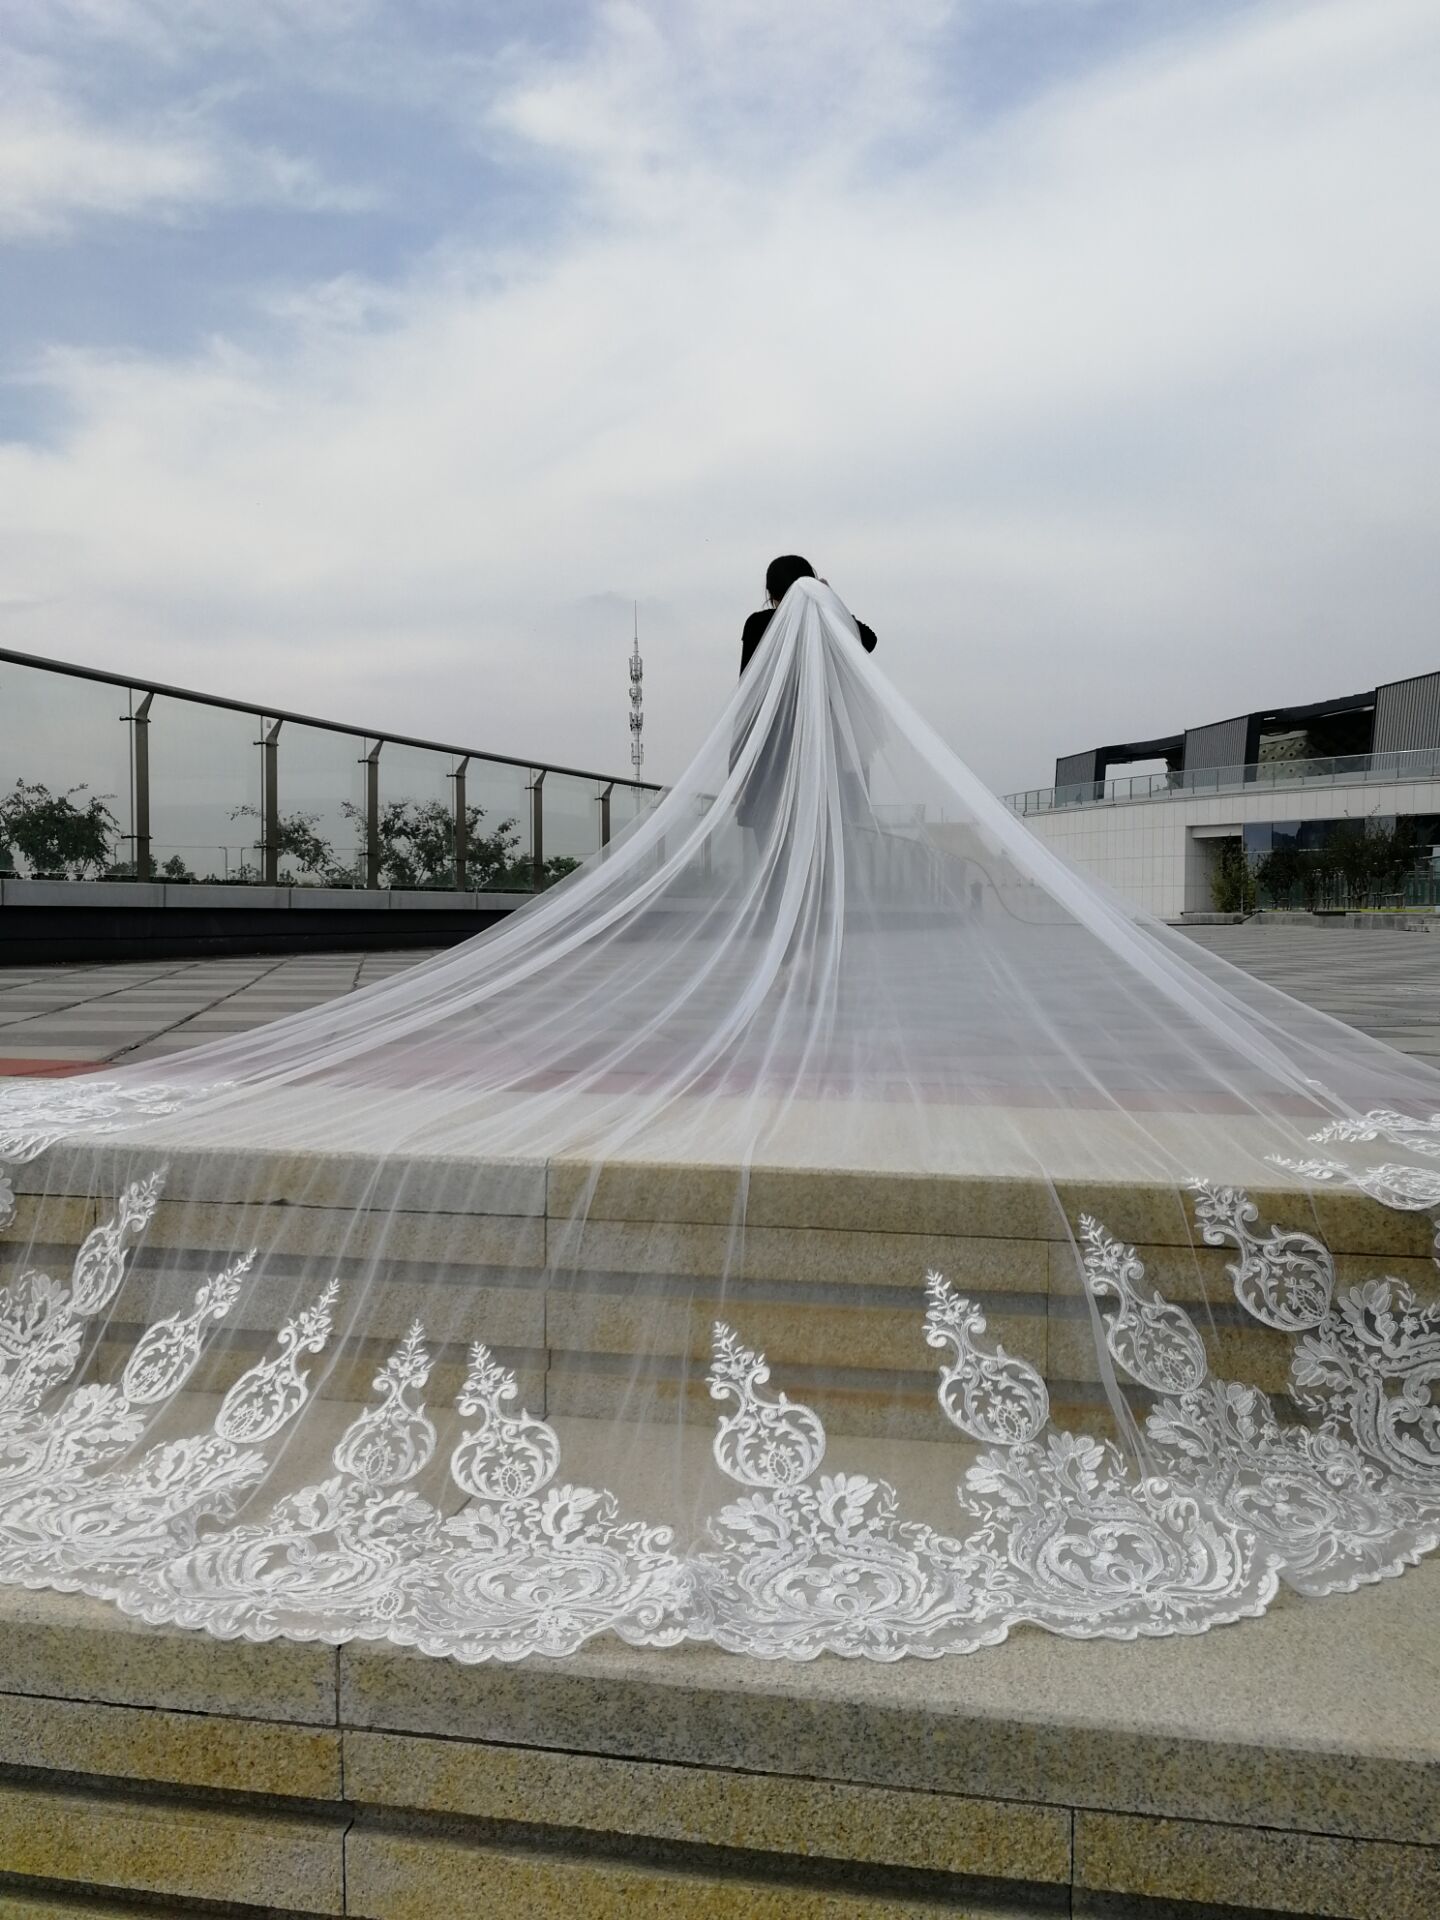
{"type": "Point", "coordinates": [780, 576]}
{"type": "Point", "coordinates": [758, 798]}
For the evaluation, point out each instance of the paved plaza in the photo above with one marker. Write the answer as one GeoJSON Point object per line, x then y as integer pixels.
{"type": "Point", "coordinates": [72, 1017]}
{"type": "Point", "coordinates": [1385, 982]}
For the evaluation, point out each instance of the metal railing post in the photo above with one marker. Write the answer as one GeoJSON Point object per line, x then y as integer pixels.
{"type": "Point", "coordinates": [462, 825]}
{"type": "Point", "coordinates": [270, 805]}
{"type": "Point", "coordinates": [371, 764]}
{"type": "Point", "coordinates": [141, 734]}
{"type": "Point", "coordinates": [605, 814]}
{"type": "Point", "coordinates": [537, 831]}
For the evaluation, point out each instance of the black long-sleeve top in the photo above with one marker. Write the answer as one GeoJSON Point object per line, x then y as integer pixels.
{"type": "Point", "coordinates": [754, 633]}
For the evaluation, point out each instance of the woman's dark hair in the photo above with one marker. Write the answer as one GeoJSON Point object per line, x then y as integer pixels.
{"type": "Point", "coordinates": [782, 574]}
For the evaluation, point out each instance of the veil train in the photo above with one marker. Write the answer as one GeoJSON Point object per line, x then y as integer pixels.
{"type": "Point", "coordinates": [825, 1222]}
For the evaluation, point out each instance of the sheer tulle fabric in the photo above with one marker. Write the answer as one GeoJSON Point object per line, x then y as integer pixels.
{"type": "Point", "coordinates": [441, 1313]}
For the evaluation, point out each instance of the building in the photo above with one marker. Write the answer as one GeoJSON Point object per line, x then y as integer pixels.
{"type": "Point", "coordinates": [1303, 778]}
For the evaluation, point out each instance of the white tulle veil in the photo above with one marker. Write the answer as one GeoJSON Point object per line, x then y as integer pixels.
{"type": "Point", "coordinates": [823, 1223]}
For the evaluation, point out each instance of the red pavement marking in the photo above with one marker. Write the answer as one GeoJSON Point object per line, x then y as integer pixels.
{"type": "Point", "coordinates": [48, 1069]}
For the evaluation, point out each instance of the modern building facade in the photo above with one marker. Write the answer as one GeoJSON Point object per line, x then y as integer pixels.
{"type": "Point", "coordinates": [1301, 780]}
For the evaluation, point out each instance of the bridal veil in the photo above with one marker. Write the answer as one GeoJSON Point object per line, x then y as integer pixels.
{"type": "Point", "coordinates": [825, 1222]}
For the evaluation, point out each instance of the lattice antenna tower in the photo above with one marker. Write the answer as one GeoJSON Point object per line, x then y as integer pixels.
{"type": "Point", "coordinates": [637, 701]}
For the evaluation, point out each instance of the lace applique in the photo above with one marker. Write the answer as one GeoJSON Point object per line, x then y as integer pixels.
{"type": "Point", "coordinates": [36, 1114]}
{"type": "Point", "coordinates": [529, 1569]}
{"type": "Point", "coordinates": [763, 1443]}
{"type": "Point", "coordinates": [1393, 1184]}
{"type": "Point", "coordinates": [1372, 1370]}
{"type": "Point", "coordinates": [77, 1528]}
{"type": "Point", "coordinates": [1073, 1542]}
{"type": "Point", "coordinates": [508, 1456]}
{"type": "Point", "coordinates": [1155, 1343]}
{"type": "Point", "coordinates": [803, 1569]}
{"type": "Point", "coordinates": [330, 1557]}
{"type": "Point", "coordinates": [390, 1443]}
{"type": "Point", "coordinates": [990, 1396]}
{"type": "Point", "coordinates": [42, 1323]}
{"type": "Point", "coordinates": [536, 1568]}
{"type": "Point", "coordinates": [1399, 1129]}
{"type": "Point", "coordinates": [164, 1356]}
{"type": "Point", "coordinates": [272, 1392]}
{"type": "Point", "coordinates": [1055, 1528]}
{"type": "Point", "coordinates": [1396, 1184]}
{"type": "Point", "coordinates": [1285, 1280]}
{"type": "Point", "coordinates": [42, 1332]}
{"type": "Point", "coordinates": [1312, 1499]}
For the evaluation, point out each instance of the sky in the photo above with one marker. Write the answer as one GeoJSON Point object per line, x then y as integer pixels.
{"type": "Point", "coordinates": [371, 357]}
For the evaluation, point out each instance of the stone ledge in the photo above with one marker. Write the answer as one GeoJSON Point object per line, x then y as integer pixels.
{"type": "Point", "coordinates": [210, 1751]}
{"type": "Point", "coordinates": [1291, 1761]}
{"type": "Point", "coordinates": [198, 895]}
{"type": "Point", "coordinates": [710, 1806]}
{"type": "Point", "coordinates": [405, 1876]}
{"type": "Point", "coordinates": [60, 1646]}
{"type": "Point", "coordinates": [1222, 1865]}
{"type": "Point", "coordinates": [193, 1851]}
{"type": "Point", "coordinates": [1321, 1714]}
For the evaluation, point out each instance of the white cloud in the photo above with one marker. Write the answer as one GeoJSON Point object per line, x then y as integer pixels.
{"type": "Point", "coordinates": [56, 167]}
{"type": "Point", "coordinates": [1113, 414]}
{"type": "Point", "coordinates": [65, 163]}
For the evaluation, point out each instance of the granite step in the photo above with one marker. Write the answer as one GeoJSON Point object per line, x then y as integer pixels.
{"type": "Point", "coordinates": [1286, 1766]}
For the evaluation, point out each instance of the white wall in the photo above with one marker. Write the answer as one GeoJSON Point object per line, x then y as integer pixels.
{"type": "Point", "coordinates": [1155, 851]}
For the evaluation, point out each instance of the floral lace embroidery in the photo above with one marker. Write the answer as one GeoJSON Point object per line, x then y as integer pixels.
{"type": "Point", "coordinates": [1320, 1501]}
{"type": "Point", "coordinates": [1155, 1343]}
{"type": "Point", "coordinates": [1392, 1184]}
{"type": "Point", "coordinates": [801, 1568]}
{"type": "Point", "coordinates": [36, 1114]}
{"type": "Point", "coordinates": [1399, 1129]}
{"type": "Point", "coordinates": [1396, 1184]}
{"type": "Point", "coordinates": [63, 1524]}
{"type": "Point", "coordinates": [42, 1323]}
{"type": "Point", "coordinates": [1076, 1544]}
{"type": "Point", "coordinates": [1055, 1528]}
{"type": "Point", "coordinates": [529, 1568]}
{"type": "Point", "coordinates": [987, 1395]}
{"type": "Point", "coordinates": [1284, 1280]}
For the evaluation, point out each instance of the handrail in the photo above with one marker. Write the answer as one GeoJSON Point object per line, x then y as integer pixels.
{"type": "Point", "coordinates": [1411, 763]}
{"type": "Point", "coordinates": [134, 681]}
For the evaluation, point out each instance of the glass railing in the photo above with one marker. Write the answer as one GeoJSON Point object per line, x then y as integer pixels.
{"type": "Point", "coordinates": [104, 777]}
{"type": "Point", "coordinates": [1347, 769]}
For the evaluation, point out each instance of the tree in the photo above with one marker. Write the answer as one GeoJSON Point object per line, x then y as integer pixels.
{"type": "Point", "coordinates": [1277, 873]}
{"type": "Point", "coordinates": [57, 838]}
{"type": "Point", "coordinates": [1232, 885]}
{"type": "Point", "coordinates": [1354, 857]}
{"type": "Point", "coordinates": [296, 839]}
{"type": "Point", "coordinates": [417, 846]}
{"type": "Point", "coordinates": [1316, 874]}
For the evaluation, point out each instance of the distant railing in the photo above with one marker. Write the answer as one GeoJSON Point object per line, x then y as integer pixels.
{"type": "Point", "coordinates": [1348, 769]}
{"type": "Point", "coordinates": [107, 776]}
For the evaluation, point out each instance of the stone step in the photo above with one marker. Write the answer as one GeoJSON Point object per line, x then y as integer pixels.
{"type": "Point", "coordinates": [826, 1279]}
{"type": "Point", "coordinates": [1289, 1765]}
